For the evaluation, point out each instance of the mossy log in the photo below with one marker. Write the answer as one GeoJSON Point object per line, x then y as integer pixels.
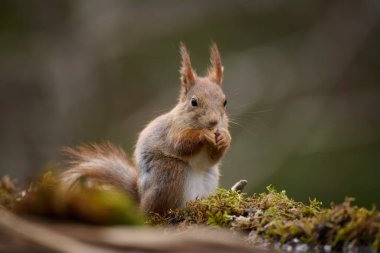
{"type": "Point", "coordinates": [226, 221]}
{"type": "Point", "coordinates": [21, 235]}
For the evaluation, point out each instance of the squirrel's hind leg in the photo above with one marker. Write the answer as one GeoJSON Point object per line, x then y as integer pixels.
{"type": "Point", "coordinates": [161, 185]}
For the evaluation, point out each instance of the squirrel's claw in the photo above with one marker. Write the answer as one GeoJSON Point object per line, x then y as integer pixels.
{"type": "Point", "coordinates": [223, 140]}
{"type": "Point", "coordinates": [209, 138]}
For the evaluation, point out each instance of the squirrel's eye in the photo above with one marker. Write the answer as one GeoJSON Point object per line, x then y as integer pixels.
{"type": "Point", "coordinates": [225, 103]}
{"type": "Point", "coordinates": [194, 102]}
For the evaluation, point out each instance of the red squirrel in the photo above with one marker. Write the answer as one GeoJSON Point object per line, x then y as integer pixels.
{"type": "Point", "coordinates": [177, 155]}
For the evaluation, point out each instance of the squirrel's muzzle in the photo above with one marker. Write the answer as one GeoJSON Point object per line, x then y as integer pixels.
{"type": "Point", "coordinates": [212, 123]}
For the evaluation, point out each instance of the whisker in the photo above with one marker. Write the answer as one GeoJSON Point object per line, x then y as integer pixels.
{"type": "Point", "coordinates": [257, 112]}
{"type": "Point", "coordinates": [161, 111]}
{"type": "Point", "coordinates": [252, 112]}
{"type": "Point", "coordinates": [244, 128]}
{"type": "Point", "coordinates": [243, 105]}
{"type": "Point", "coordinates": [240, 115]}
{"type": "Point", "coordinates": [256, 118]}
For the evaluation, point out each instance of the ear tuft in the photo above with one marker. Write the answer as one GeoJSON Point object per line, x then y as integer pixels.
{"type": "Point", "coordinates": [215, 71]}
{"type": "Point", "coordinates": [188, 75]}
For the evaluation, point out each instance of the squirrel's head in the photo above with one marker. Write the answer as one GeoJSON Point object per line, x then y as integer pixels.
{"type": "Point", "coordinates": [202, 101]}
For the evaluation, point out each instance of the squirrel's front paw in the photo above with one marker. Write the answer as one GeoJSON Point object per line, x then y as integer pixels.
{"type": "Point", "coordinates": [223, 139]}
{"type": "Point", "coordinates": [208, 137]}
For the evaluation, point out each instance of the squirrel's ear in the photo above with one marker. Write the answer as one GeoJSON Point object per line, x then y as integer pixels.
{"type": "Point", "coordinates": [215, 71]}
{"type": "Point", "coordinates": [188, 75]}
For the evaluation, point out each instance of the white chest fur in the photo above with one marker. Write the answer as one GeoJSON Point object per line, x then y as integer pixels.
{"type": "Point", "coordinates": [200, 161]}
{"type": "Point", "coordinates": [202, 177]}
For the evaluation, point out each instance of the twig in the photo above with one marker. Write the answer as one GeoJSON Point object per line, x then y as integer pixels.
{"type": "Point", "coordinates": [239, 186]}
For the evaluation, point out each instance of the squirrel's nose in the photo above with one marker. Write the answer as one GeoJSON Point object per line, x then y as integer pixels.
{"type": "Point", "coordinates": [212, 123]}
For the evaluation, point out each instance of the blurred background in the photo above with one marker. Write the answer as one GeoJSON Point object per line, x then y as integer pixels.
{"type": "Point", "coordinates": [301, 77]}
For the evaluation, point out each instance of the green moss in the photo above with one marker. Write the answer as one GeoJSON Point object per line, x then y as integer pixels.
{"type": "Point", "coordinates": [8, 193]}
{"type": "Point", "coordinates": [220, 218]}
{"type": "Point", "coordinates": [91, 205]}
{"type": "Point", "coordinates": [276, 217]}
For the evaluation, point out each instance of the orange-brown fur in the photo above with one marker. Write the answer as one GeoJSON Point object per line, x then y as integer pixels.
{"type": "Point", "coordinates": [187, 142]}
{"type": "Point", "coordinates": [78, 157]}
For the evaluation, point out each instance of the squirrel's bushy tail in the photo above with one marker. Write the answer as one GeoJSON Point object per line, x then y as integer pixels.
{"type": "Point", "coordinates": [101, 164]}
